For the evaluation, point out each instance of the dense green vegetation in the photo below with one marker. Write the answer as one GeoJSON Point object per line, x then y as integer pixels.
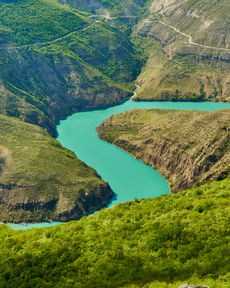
{"type": "Point", "coordinates": [41, 180]}
{"type": "Point", "coordinates": [120, 14]}
{"type": "Point", "coordinates": [55, 60]}
{"type": "Point", "coordinates": [186, 147]}
{"type": "Point", "coordinates": [26, 22]}
{"type": "Point", "coordinates": [161, 242]}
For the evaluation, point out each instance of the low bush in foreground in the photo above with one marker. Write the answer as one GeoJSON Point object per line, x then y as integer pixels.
{"type": "Point", "coordinates": [160, 242]}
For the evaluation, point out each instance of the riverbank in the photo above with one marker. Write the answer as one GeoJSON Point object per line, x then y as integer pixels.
{"type": "Point", "coordinates": [128, 178]}
{"type": "Point", "coordinates": [189, 148]}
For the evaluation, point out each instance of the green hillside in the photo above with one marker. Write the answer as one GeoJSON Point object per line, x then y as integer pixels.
{"type": "Point", "coordinates": [25, 22]}
{"type": "Point", "coordinates": [155, 243]}
{"type": "Point", "coordinates": [58, 57]}
{"type": "Point", "coordinates": [41, 180]}
{"type": "Point", "coordinates": [55, 61]}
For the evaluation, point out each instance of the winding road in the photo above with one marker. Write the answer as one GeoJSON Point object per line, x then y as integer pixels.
{"type": "Point", "coordinates": [48, 42]}
{"type": "Point", "coordinates": [114, 18]}
{"type": "Point", "coordinates": [190, 39]}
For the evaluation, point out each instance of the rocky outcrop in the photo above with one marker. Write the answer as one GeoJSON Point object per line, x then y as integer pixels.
{"type": "Point", "coordinates": [16, 205]}
{"type": "Point", "coordinates": [40, 180]}
{"type": "Point", "coordinates": [187, 147]}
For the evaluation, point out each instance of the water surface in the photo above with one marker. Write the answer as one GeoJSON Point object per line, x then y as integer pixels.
{"type": "Point", "coordinates": [128, 178]}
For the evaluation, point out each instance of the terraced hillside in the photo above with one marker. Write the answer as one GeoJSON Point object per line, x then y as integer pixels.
{"type": "Point", "coordinates": [189, 52]}
{"type": "Point", "coordinates": [55, 60]}
{"type": "Point", "coordinates": [156, 243]}
{"type": "Point", "coordinates": [187, 147]}
{"type": "Point", "coordinates": [41, 180]}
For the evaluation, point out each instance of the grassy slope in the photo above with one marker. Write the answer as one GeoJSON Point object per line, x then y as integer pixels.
{"type": "Point", "coordinates": [182, 78]}
{"type": "Point", "coordinates": [177, 70]}
{"type": "Point", "coordinates": [42, 180]}
{"type": "Point", "coordinates": [58, 60]}
{"type": "Point", "coordinates": [164, 241]}
{"type": "Point", "coordinates": [187, 147]}
{"type": "Point", "coordinates": [206, 21]}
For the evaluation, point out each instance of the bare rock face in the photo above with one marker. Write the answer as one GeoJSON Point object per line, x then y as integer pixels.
{"type": "Point", "coordinates": [193, 286]}
{"type": "Point", "coordinates": [17, 205]}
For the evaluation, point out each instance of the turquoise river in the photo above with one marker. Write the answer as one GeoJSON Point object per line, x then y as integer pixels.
{"type": "Point", "coordinates": [128, 177]}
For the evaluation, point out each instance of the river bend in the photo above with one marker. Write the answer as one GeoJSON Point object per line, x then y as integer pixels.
{"type": "Point", "coordinates": [128, 177]}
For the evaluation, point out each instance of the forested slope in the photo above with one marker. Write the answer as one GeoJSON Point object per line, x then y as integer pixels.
{"type": "Point", "coordinates": [55, 60]}
{"type": "Point", "coordinates": [155, 243]}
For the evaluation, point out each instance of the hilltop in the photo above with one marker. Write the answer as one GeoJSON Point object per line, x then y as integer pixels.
{"type": "Point", "coordinates": [188, 148]}
{"type": "Point", "coordinates": [41, 180]}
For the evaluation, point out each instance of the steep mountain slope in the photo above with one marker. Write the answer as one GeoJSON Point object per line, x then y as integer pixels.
{"type": "Point", "coordinates": [107, 8]}
{"type": "Point", "coordinates": [192, 60]}
{"type": "Point", "coordinates": [155, 243]}
{"type": "Point", "coordinates": [58, 59]}
{"type": "Point", "coordinates": [187, 147]}
{"type": "Point", "coordinates": [41, 180]}
{"type": "Point", "coordinates": [55, 60]}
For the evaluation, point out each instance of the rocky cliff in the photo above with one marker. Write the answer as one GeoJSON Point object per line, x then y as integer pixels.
{"type": "Point", "coordinates": [41, 180]}
{"type": "Point", "coordinates": [187, 147]}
